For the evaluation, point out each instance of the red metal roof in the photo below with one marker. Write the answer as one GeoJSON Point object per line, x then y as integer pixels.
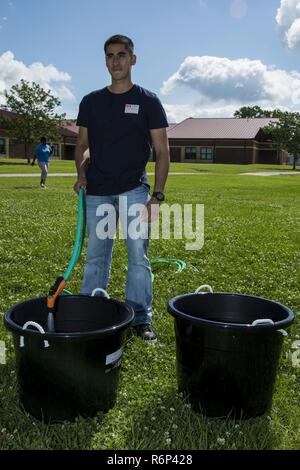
{"type": "Point", "coordinates": [218, 128]}
{"type": "Point", "coordinates": [71, 128]}
{"type": "Point", "coordinates": [7, 114]}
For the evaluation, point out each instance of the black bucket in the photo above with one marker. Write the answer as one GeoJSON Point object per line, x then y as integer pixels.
{"type": "Point", "coordinates": [73, 371]}
{"type": "Point", "coordinates": [228, 348]}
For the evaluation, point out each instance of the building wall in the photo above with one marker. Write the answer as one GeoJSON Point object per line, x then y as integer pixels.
{"type": "Point", "coordinates": [68, 148]}
{"type": "Point", "coordinates": [4, 146]}
{"type": "Point", "coordinates": [255, 154]}
{"type": "Point", "coordinates": [223, 151]}
{"type": "Point", "coordinates": [265, 155]}
{"type": "Point", "coordinates": [227, 151]}
{"type": "Point", "coordinates": [175, 154]}
{"type": "Point", "coordinates": [269, 154]}
{"type": "Point", "coordinates": [234, 151]}
{"type": "Point", "coordinates": [13, 149]}
{"type": "Point", "coordinates": [177, 150]}
{"type": "Point", "coordinates": [65, 145]}
{"type": "Point", "coordinates": [17, 150]}
{"type": "Point", "coordinates": [234, 155]}
{"type": "Point", "coordinates": [68, 152]}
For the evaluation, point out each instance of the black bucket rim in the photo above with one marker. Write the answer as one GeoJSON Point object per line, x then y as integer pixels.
{"type": "Point", "coordinates": [14, 327]}
{"type": "Point", "coordinates": [246, 326]}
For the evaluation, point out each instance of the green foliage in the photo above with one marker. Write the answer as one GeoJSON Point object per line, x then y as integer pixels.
{"type": "Point", "coordinates": [252, 112]}
{"type": "Point", "coordinates": [35, 113]}
{"type": "Point", "coordinates": [286, 133]}
{"type": "Point", "coordinates": [257, 112]}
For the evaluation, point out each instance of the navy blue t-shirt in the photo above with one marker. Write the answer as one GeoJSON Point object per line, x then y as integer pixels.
{"type": "Point", "coordinates": [119, 137]}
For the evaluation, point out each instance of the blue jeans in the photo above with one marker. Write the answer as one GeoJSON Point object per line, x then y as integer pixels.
{"type": "Point", "coordinates": [99, 250]}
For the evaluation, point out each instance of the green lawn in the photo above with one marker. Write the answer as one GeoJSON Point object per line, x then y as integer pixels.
{"type": "Point", "coordinates": [252, 245]}
{"type": "Point", "coordinates": [66, 166]}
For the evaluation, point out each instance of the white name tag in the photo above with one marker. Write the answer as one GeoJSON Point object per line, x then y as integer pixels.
{"type": "Point", "coordinates": [132, 108]}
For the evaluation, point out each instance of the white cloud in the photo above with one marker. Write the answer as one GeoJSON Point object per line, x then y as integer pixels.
{"type": "Point", "coordinates": [47, 76]}
{"type": "Point", "coordinates": [214, 77]}
{"type": "Point", "coordinates": [64, 93]}
{"type": "Point", "coordinates": [222, 85]}
{"type": "Point", "coordinates": [4, 18]}
{"type": "Point", "coordinates": [293, 35]}
{"type": "Point", "coordinates": [238, 8]}
{"type": "Point", "coordinates": [288, 21]}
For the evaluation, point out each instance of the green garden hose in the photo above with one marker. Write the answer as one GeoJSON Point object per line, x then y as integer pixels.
{"type": "Point", "coordinates": [80, 233]}
{"type": "Point", "coordinates": [61, 281]}
{"type": "Point", "coordinates": [181, 265]}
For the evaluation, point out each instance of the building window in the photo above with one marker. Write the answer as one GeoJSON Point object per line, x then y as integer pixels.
{"type": "Point", "coordinates": [55, 150]}
{"type": "Point", "coordinates": [2, 147]}
{"type": "Point", "coordinates": [206, 153]}
{"type": "Point", "coordinates": [190, 153]}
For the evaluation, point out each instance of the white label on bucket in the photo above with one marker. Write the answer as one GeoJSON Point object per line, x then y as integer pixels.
{"type": "Point", "coordinates": [113, 357]}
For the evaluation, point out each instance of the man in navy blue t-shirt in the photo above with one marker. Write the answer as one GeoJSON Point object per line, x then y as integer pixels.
{"type": "Point", "coordinates": [120, 124]}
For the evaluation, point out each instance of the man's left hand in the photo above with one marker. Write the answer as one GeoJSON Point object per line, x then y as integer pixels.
{"type": "Point", "coordinates": [151, 211]}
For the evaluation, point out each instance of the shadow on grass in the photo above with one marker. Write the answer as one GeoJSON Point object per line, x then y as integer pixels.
{"type": "Point", "coordinates": [27, 188]}
{"type": "Point", "coordinates": [13, 163]}
{"type": "Point", "coordinates": [20, 431]}
{"type": "Point", "coordinates": [198, 170]}
{"type": "Point", "coordinates": [173, 425]}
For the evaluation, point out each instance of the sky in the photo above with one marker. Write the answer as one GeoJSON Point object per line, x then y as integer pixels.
{"type": "Point", "coordinates": [203, 58]}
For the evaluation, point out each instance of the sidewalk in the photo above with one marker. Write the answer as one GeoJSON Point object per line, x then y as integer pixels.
{"type": "Point", "coordinates": [272, 173]}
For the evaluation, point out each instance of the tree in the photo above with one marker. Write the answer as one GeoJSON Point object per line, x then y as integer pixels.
{"type": "Point", "coordinates": [257, 112]}
{"type": "Point", "coordinates": [286, 133]}
{"type": "Point", "coordinates": [252, 112]}
{"type": "Point", "coordinates": [35, 114]}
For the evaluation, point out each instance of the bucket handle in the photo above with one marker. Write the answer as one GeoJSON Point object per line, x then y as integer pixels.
{"type": "Point", "coordinates": [99, 289]}
{"type": "Point", "coordinates": [263, 321]}
{"type": "Point", "coordinates": [283, 332]}
{"type": "Point", "coordinates": [39, 327]}
{"type": "Point", "coordinates": [204, 286]}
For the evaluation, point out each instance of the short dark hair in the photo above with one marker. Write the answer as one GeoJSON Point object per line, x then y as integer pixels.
{"type": "Point", "coordinates": [43, 138]}
{"type": "Point", "coordinates": [120, 39]}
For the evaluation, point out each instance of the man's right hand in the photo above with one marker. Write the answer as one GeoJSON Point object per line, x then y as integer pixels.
{"type": "Point", "coordinates": [81, 182]}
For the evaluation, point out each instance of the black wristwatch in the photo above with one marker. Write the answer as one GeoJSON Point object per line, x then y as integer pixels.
{"type": "Point", "coordinates": [159, 196]}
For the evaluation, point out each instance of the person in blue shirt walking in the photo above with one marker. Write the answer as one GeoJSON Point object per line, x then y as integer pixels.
{"type": "Point", "coordinates": [42, 153]}
{"type": "Point", "coordinates": [120, 124]}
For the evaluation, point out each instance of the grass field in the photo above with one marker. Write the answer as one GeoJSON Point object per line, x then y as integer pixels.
{"type": "Point", "coordinates": [252, 245]}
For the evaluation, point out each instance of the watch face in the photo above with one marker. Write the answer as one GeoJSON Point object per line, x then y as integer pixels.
{"type": "Point", "coordinates": [159, 196]}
